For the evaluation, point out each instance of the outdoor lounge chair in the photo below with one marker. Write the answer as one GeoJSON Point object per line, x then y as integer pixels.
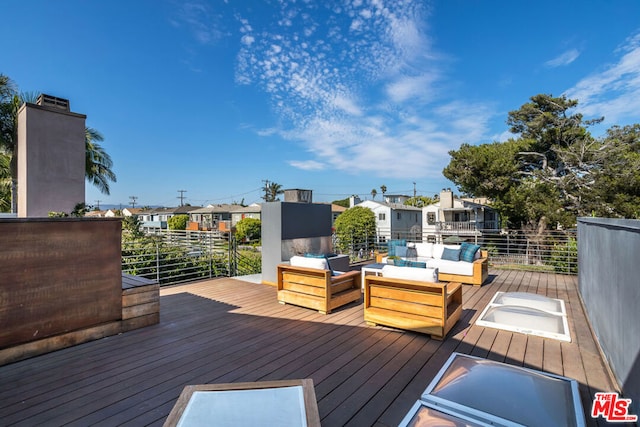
{"type": "Point", "coordinates": [308, 282]}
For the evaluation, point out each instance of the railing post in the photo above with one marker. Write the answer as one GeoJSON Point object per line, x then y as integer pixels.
{"type": "Point", "coordinates": [157, 263]}
{"type": "Point", "coordinates": [210, 254]}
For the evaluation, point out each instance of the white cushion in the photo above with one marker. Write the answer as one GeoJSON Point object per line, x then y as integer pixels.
{"type": "Point", "coordinates": [451, 267]}
{"type": "Point", "coordinates": [317, 263]}
{"type": "Point", "coordinates": [411, 273]}
{"type": "Point", "coordinates": [425, 250]}
{"type": "Point", "coordinates": [438, 249]}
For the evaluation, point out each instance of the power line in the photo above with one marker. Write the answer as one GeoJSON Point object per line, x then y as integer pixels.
{"type": "Point", "coordinates": [181, 196]}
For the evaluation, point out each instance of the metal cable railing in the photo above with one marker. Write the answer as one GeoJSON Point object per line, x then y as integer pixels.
{"type": "Point", "coordinates": [172, 257]}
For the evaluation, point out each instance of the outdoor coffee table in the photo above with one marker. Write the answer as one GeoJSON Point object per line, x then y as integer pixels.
{"type": "Point", "coordinates": [374, 269]}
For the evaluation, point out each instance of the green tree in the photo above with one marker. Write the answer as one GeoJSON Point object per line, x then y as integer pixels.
{"type": "Point", "coordinates": [131, 226]}
{"type": "Point", "coordinates": [374, 192]}
{"type": "Point", "coordinates": [419, 201]}
{"type": "Point", "coordinates": [383, 188]}
{"type": "Point", "coordinates": [249, 229]}
{"type": "Point", "coordinates": [178, 222]}
{"type": "Point", "coordinates": [5, 183]}
{"type": "Point", "coordinates": [271, 191]}
{"type": "Point", "coordinates": [554, 170]}
{"type": "Point", "coordinates": [98, 163]}
{"type": "Point", "coordinates": [355, 229]}
{"type": "Point", "coordinates": [342, 202]}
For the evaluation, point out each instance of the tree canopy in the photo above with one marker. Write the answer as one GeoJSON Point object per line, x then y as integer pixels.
{"type": "Point", "coordinates": [178, 222]}
{"type": "Point", "coordinates": [249, 229]}
{"type": "Point", "coordinates": [271, 191]}
{"type": "Point", "coordinates": [355, 226]}
{"type": "Point", "coordinates": [553, 170]}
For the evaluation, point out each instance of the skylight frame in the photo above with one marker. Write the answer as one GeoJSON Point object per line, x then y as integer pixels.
{"type": "Point", "coordinates": [479, 417]}
{"type": "Point", "coordinates": [518, 303]}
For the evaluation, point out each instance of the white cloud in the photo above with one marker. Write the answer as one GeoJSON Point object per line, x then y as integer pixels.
{"type": "Point", "coordinates": [307, 165]}
{"type": "Point", "coordinates": [614, 92]}
{"type": "Point", "coordinates": [563, 59]}
{"type": "Point", "coordinates": [198, 17]}
{"type": "Point", "coordinates": [359, 90]}
{"type": "Point", "coordinates": [247, 40]}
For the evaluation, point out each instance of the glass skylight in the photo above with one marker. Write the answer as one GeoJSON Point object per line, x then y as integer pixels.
{"type": "Point", "coordinates": [478, 391]}
{"type": "Point", "coordinates": [528, 314]}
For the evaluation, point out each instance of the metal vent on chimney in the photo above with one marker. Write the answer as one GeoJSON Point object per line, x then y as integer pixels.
{"type": "Point", "coordinates": [52, 101]}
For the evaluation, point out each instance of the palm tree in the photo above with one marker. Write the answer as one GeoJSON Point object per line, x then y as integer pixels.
{"type": "Point", "coordinates": [374, 192]}
{"type": "Point", "coordinates": [271, 191]}
{"type": "Point", "coordinates": [5, 182]}
{"type": "Point", "coordinates": [98, 163]}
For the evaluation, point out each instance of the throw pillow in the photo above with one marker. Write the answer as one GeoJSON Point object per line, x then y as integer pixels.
{"type": "Point", "coordinates": [451, 254]}
{"type": "Point", "coordinates": [310, 255]}
{"type": "Point", "coordinates": [401, 251]}
{"type": "Point", "coordinates": [393, 244]}
{"type": "Point", "coordinates": [468, 252]}
{"type": "Point", "coordinates": [417, 264]}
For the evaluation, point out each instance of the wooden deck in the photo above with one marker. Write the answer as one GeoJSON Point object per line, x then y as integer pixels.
{"type": "Point", "coordinates": [227, 330]}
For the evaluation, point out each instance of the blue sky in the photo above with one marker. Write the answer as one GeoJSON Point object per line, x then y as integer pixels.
{"type": "Point", "coordinates": [213, 97]}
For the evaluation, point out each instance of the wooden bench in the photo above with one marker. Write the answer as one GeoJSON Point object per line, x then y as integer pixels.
{"type": "Point", "coordinates": [428, 308]}
{"type": "Point", "coordinates": [140, 302]}
{"type": "Point", "coordinates": [317, 289]}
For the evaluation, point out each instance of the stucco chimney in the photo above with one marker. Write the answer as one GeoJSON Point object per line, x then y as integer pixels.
{"type": "Point", "coordinates": [446, 198]}
{"type": "Point", "coordinates": [53, 101]}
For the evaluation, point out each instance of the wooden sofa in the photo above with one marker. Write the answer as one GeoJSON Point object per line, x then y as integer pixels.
{"type": "Point", "coordinates": [480, 272]}
{"type": "Point", "coordinates": [317, 289]}
{"type": "Point", "coordinates": [479, 276]}
{"type": "Point", "coordinates": [429, 308]}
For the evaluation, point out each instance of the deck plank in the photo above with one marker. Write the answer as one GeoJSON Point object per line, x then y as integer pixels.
{"type": "Point", "coordinates": [226, 330]}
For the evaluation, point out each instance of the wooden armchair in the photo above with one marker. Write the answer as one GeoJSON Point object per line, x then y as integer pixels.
{"type": "Point", "coordinates": [316, 288]}
{"type": "Point", "coordinates": [429, 308]}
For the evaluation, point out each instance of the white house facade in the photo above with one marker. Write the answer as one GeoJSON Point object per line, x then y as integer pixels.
{"type": "Point", "coordinates": [463, 218]}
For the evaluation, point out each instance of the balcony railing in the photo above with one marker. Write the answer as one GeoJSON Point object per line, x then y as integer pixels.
{"type": "Point", "coordinates": [469, 227]}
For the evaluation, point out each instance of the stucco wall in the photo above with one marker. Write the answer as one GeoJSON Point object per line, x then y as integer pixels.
{"type": "Point", "coordinates": [51, 160]}
{"type": "Point", "coordinates": [290, 228]}
{"type": "Point", "coordinates": [609, 284]}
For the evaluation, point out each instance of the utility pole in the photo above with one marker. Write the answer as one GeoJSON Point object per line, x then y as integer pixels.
{"type": "Point", "coordinates": [133, 201]}
{"type": "Point", "coordinates": [266, 189]}
{"type": "Point", "coordinates": [181, 197]}
{"type": "Point", "coordinates": [414, 190]}
{"type": "Point", "coordinates": [98, 204]}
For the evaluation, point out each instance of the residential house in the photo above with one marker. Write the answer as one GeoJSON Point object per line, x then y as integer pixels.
{"type": "Point", "coordinates": [95, 214]}
{"type": "Point", "coordinates": [465, 219]}
{"type": "Point", "coordinates": [336, 210]}
{"type": "Point", "coordinates": [156, 219]}
{"type": "Point", "coordinates": [212, 217]}
{"type": "Point", "coordinates": [251, 211]}
{"type": "Point", "coordinates": [394, 220]}
{"type": "Point", "coordinates": [132, 211]}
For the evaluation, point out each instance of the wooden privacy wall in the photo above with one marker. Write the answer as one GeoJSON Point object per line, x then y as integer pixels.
{"type": "Point", "coordinates": [58, 276]}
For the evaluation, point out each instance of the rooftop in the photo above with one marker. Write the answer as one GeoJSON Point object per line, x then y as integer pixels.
{"type": "Point", "coordinates": [230, 330]}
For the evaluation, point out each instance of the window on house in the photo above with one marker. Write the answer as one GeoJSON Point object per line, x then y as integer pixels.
{"type": "Point", "coordinates": [431, 218]}
{"type": "Point", "coordinates": [398, 215]}
{"type": "Point", "coordinates": [382, 217]}
{"type": "Point", "coordinates": [431, 239]}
